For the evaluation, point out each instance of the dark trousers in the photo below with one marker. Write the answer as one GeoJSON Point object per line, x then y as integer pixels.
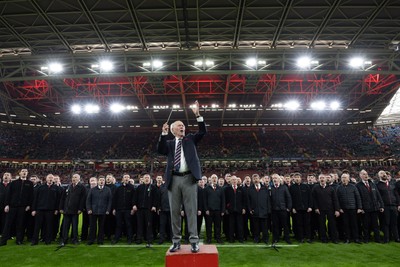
{"type": "Point", "coordinates": [15, 216]}
{"type": "Point", "coordinates": [57, 228]}
{"type": "Point", "coordinates": [330, 216]}
{"type": "Point", "coordinates": [43, 222]}
{"type": "Point", "coordinates": [246, 220]}
{"type": "Point", "coordinates": [236, 226]}
{"type": "Point", "coordinates": [225, 225]}
{"type": "Point", "coordinates": [213, 218]}
{"type": "Point", "coordinates": [389, 223]}
{"type": "Point", "coordinates": [200, 221]}
{"type": "Point", "coordinates": [144, 224]}
{"type": "Point", "coordinates": [96, 225]}
{"type": "Point", "coordinates": [2, 219]}
{"type": "Point", "coordinates": [165, 225]}
{"type": "Point", "coordinates": [70, 219]}
{"type": "Point", "coordinates": [350, 227]}
{"type": "Point", "coordinates": [85, 226]}
{"type": "Point", "coordinates": [302, 220]}
{"type": "Point", "coordinates": [30, 226]}
{"type": "Point", "coordinates": [279, 221]}
{"type": "Point", "coordinates": [260, 225]}
{"type": "Point", "coordinates": [123, 216]}
{"type": "Point", "coordinates": [109, 226]}
{"type": "Point", "coordinates": [369, 222]}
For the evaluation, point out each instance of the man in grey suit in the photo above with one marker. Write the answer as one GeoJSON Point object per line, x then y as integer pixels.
{"type": "Point", "coordinates": [98, 205]}
{"type": "Point", "coordinates": [181, 175]}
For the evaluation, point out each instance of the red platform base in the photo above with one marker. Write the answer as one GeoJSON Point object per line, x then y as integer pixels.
{"type": "Point", "coordinates": [206, 257]}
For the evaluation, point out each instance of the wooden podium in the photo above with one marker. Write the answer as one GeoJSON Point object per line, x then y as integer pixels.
{"type": "Point", "coordinates": [206, 257]}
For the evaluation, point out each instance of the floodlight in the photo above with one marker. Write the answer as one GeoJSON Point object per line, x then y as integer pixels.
{"type": "Point", "coordinates": [209, 63]}
{"type": "Point", "coordinates": [251, 62]}
{"type": "Point", "coordinates": [90, 108]}
{"type": "Point", "coordinates": [292, 105]}
{"type": "Point", "coordinates": [304, 62]}
{"type": "Point", "coordinates": [106, 65]}
{"type": "Point", "coordinates": [356, 62]}
{"type": "Point", "coordinates": [198, 63]}
{"type": "Point", "coordinates": [318, 105]}
{"type": "Point", "coordinates": [335, 105]}
{"type": "Point", "coordinates": [157, 64]}
{"type": "Point", "coordinates": [146, 64]}
{"type": "Point", "coordinates": [116, 108]}
{"type": "Point", "coordinates": [76, 109]}
{"type": "Point", "coordinates": [55, 67]}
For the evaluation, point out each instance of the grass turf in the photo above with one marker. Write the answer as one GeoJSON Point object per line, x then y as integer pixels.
{"type": "Point", "coordinates": [316, 254]}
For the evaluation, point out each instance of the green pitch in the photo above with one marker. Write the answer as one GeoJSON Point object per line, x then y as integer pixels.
{"type": "Point", "coordinates": [315, 254]}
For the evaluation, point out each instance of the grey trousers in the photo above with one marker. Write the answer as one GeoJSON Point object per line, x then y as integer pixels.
{"type": "Point", "coordinates": [183, 192]}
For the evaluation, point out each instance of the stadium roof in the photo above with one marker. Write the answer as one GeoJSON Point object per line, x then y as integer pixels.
{"type": "Point", "coordinates": [202, 49]}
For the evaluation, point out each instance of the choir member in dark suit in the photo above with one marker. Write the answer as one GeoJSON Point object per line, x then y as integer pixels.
{"type": "Point", "coordinates": [350, 206]}
{"type": "Point", "coordinates": [391, 201]}
{"type": "Point", "coordinates": [72, 204]}
{"type": "Point", "coordinates": [165, 214]}
{"type": "Point", "coordinates": [327, 207]}
{"type": "Point", "coordinates": [18, 202]}
{"type": "Point", "coordinates": [236, 202]}
{"type": "Point", "coordinates": [44, 208]}
{"type": "Point", "coordinates": [123, 209]}
{"type": "Point", "coordinates": [281, 204]}
{"type": "Point", "coordinates": [301, 208]}
{"type": "Point", "coordinates": [3, 187]}
{"type": "Point", "coordinates": [145, 203]}
{"type": "Point", "coordinates": [214, 204]}
{"type": "Point", "coordinates": [98, 205]}
{"type": "Point", "coordinates": [372, 204]}
{"type": "Point", "coordinates": [259, 206]}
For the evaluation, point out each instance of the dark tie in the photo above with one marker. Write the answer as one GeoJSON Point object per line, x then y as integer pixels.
{"type": "Point", "coordinates": [367, 185]}
{"type": "Point", "coordinates": [177, 160]}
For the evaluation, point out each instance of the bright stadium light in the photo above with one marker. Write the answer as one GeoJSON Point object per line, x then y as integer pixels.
{"type": "Point", "coordinates": [116, 108]}
{"type": "Point", "coordinates": [76, 109]}
{"type": "Point", "coordinates": [106, 65]}
{"type": "Point", "coordinates": [91, 108]}
{"type": "Point", "coordinates": [292, 105]}
{"type": "Point", "coordinates": [335, 105]}
{"type": "Point", "coordinates": [209, 63]}
{"type": "Point", "coordinates": [304, 62]}
{"type": "Point", "coordinates": [251, 62]}
{"type": "Point", "coordinates": [157, 64]}
{"type": "Point", "coordinates": [356, 62]}
{"type": "Point", "coordinates": [55, 67]}
{"type": "Point", "coordinates": [318, 105]}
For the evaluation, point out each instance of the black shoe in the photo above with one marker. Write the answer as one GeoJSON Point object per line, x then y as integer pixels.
{"type": "Point", "coordinates": [62, 244]}
{"type": "Point", "coordinates": [34, 243]}
{"type": "Point", "coordinates": [160, 242]}
{"type": "Point", "coordinates": [289, 242]}
{"type": "Point", "coordinates": [309, 241]}
{"type": "Point", "coordinates": [335, 242]}
{"type": "Point", "coordinates": [208, 241]}
{"type": "Point", "coordinates": [139, 241]}
{"type": "Point", "coordinates": [347, 241]}
{"type": "Point", "coordinates": [100, 243]}
{"type": "Point", "coordinates": [113, 242]}
{"type": "Point", "coordinates": [195, 247]}
{"type": "Point", "coordinates": [148, 245]}
{"type": "Point", "coordinates": [358, 241]}
{"type": "Point", "coordinates": [175, 247]}
{"type": "Point", "coordinates": [397, 240]}
{"type": "Point", "coordinates": [89, 243]}
{"type": "Point", "coordinates": [19, 243]}
{"type": "Point", "coordinates": [219, 241]}
{"type": "Point", "coordinates": [130, 242]}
